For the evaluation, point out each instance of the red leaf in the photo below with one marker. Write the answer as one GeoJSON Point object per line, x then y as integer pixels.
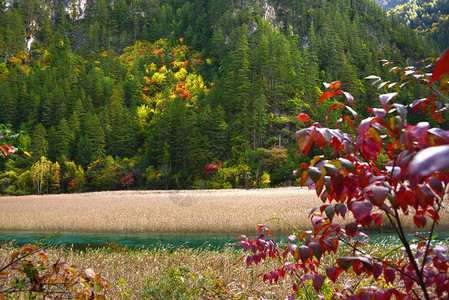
{"type": "Point", "coordinates": [353, 112]}
{"type": "Point", "coordinates": [364, 126]}
{"type": "Point", "coordinates": [436, 185]}
{"type": "Point", "coordinates": [275, 276]}
{"type": "Point", "coordinates": [334, 85]}
{"type": "Point", "coordinates": [346, 262]}
{"type": "Point", "coordinates": [318, 281]}
{"type": "Point", "coordinates": [326, 95]}
{"type": "Point", "coordinates": [334, 106]}
{"type": "Point", "coordinates": [249, 260]}
{"type": "Point", "coordinates": [420, 221]}
{"type": "Point", "coordinates": [419, 131]}
{"type": "Point", "coordinates": [377, 270]}
{"type": "Point", "coordinates": [378, 112]}
{"type": "Point", "coordinates": [305, 139]}
{"type": "Point", "coordinates": [304, 253]}
{"type": "Point", "coordinates": [427, 162]}
{"type": "Point", "coordinates": [43, 256]}
{"type": "Point", "coordinates": [303, 117]}
{"type": "Point", "coordinates": [246, 246]}
{"type": "Point", "coordinates": [389, 275]}
{"type": "Point", "coordinates": [358, 267]}
{"type": "Point", "coordinates": [361, 209]}
{"type": "Point", "coordinates": [7, 150]}
{"type": "Point", "coordinates": [347, 119]}
{"type": "Point", "coordinates": [441, 68]}
{"type": "Point", "coordinates": [376, 194]}
{"type": "Point", "coordinates": [420, 237]}
{"type": "Point", "coordinates": [332, 273]}
{"type": "Point", "coordinates": [347, 95]}
{"type": "Point", "coordinates": [281, 272]}
{"type": "Point", "coordinates": [347, 164]}
{"type": "Point", "coordinates": [351, 228]}
{"type": "Point", "coordinates": [367, 263]}
{"type": "Point", "coordinates": [330, 211]}
{"type": "Point", "coordinates": [385, 98]}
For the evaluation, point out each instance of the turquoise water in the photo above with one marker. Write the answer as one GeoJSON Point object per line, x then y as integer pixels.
{"type": "Point", "coordinates": [97, 240]}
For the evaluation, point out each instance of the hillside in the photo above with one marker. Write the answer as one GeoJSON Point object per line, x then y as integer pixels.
{"type": "Point", "coordinates": [171, 94]}
{"type": "Point", "coordinates": [430, 19]}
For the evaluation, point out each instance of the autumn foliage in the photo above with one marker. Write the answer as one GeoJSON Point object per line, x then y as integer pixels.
{"type": "Point", "coordinates": [29, 275]}
{"type": "Point", "coordinates": [353, 187]}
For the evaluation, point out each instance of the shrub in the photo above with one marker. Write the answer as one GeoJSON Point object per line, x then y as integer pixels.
{"type": "Point", "coordinates": [413, 182]}
{"type": "Point", "coordinates": [27, 274]}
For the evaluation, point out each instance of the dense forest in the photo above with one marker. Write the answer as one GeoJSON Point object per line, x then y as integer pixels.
{"type": "Point", "coordinates": [429, 18]}
{"type": "Point", "coordinates": [176, 94]}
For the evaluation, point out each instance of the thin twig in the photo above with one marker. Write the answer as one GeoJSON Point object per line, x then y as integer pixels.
{"type": "Point", "coordinates": [411, 257]}
{"type": "Point", "coordinates": [432, 229]}
{"type": "Point", "coordinates": [379, 260]}
{"type": "Point", "coordinates": [22, 257]}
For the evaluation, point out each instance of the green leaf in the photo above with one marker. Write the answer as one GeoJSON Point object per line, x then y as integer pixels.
{"type": "Point", "coordinates": [346, 262]}
{"type": "Point", "coordinates": [347, 164]}
{"type": "Point", "coordinates": [316, 250]}
{"type": "Point", "coordinates": [315, 174]}
{"type": "Point", "coordinates": [330, 212]}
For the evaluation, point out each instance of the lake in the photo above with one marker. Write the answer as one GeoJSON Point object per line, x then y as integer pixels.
{"type": "Point", "coordinates": [98, 240]}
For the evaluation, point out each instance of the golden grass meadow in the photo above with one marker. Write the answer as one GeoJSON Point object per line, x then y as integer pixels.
{"type": "Point", "coordinates": [202, 211]}
{"type": "Point", "coordinates": [166, 273]}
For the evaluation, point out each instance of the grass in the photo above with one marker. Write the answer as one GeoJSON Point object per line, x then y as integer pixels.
{"type": "Point", "coordinates": [174, 274]}
{"type": "Point", "coordinates": [168, 274]}
{"type": "Point", "coordinates": [165, 273]}
{"type": "Point", "coordinates": [206, 211]}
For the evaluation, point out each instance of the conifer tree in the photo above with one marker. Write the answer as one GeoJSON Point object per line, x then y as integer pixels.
{"type": "Point", "coordinates": [94, 131]}
{"type": "Point", "coordinates": [64, 140]}
{"type": "Point", "coordinates": [39, 144]}
{"type": "Point", "coordinates": [237, 87]}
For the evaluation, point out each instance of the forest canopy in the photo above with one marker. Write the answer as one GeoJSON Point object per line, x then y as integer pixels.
{"type": "Point", "coordinates": [180, 94]}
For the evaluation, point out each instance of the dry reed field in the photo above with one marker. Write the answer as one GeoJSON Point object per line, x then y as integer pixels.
{"type": "Point", "coordinates": [149, 273]}
{"type": "Point", "coordinates": [187, 273]}
{"type": "Point", "coordinates": [166, 274]}
{"type": "Point", "coordinates": [205, 211]}
{"type": "Point", "coordinates": [202, 211]}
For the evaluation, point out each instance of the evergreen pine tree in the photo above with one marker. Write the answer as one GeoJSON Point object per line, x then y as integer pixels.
{"type": "Point", "coordinates": [39, 144]}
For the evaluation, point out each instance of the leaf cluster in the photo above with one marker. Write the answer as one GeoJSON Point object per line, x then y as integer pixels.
{"type": "Point", "coordinates": [27, 274]}
{"type": "Point", "coordinates": [414, 182]}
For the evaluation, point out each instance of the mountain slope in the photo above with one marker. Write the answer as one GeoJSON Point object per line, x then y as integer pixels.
{"type": "Point", "coordinates": [429, 18]}
{"type": "Point", "coordinates": [161, 89]}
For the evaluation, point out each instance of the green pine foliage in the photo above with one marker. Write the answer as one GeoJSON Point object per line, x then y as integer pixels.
{"type": "Point", "coordinates": [429, 18]}
{"type": "Point", "coordinates": [163, 90]}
